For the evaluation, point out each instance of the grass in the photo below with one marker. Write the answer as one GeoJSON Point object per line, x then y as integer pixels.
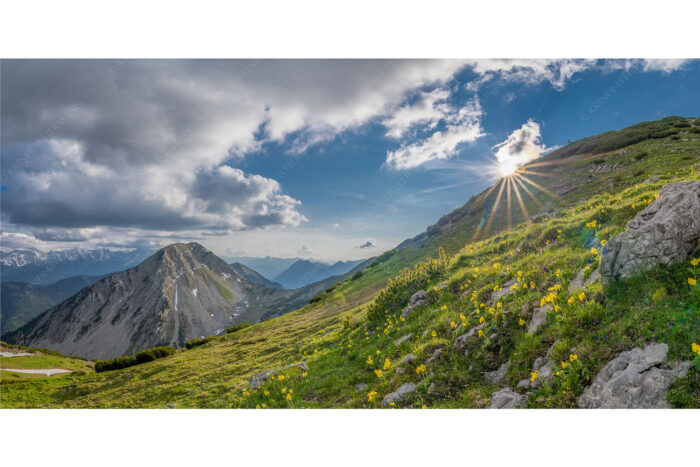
{"type": "Point", "coordinates": [335, 337]}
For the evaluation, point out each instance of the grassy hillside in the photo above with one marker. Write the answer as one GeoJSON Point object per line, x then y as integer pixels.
{"type": "Point", "coordinates": [587, 198]}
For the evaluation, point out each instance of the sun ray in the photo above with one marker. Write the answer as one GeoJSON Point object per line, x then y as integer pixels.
{"type": "Point", "coordinates": [496, 205]}
{"type": "Point", "coordinates": [540, 187]}
{"type": "Point", "coordinates": [487, 212]}
{"type": "Point", "coordinates": [527, 190]}
{"type": "Point", "coordinates": [508, 203]}
{"type": "Point", "coordinates": [523, 209]}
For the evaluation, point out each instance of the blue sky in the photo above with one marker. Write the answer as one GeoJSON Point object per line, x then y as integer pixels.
{"type": "Point", "coordinates": [292, 158]}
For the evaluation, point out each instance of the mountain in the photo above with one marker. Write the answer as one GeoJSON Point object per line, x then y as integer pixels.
{"type": "Point", "coordinates": [269, 266]}
{"type": "Point", "coordinates": [304, 272]}
{"type": "Point", "coordinates": [180, 292]}
{"type": "Point", "coordinates": [529, 353]}
{"type": "Point", "coordinates": [22, 301]}
{"type": "Point", "coordinates": [37, 267]}
{"type": "Point", "coordinates": [253, 276]}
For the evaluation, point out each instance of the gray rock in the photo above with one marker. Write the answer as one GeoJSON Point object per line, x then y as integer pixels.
{"type": "Point", "coordinates": [171, 406]}
{"type": "Point", "coordinates": [634, 379]}
{"type": "Point", "coordinates": [523, 383]}
{"type": "Point", "coordinates": [580, 282]}
{"type": "Point", "coordinates": [407, 359]}
{"type": "Point", "coordinates": [361, 387]}
{"type": "Point", "coordinates": [434, 357]}
{"type": "Point", "coordinates": [431, 388]}
{"type": "Point", "coordinates": [403, 339]}
{"type": "Point", "coordinates": [545, 368]}
{"type": "Point", "coordinates": [539, 317]}
{"type": "Point", "coordinates": [400, 394]}
{"type": "Point", "coordinates": [666, 232]}
{"type": "Point", "coordinates": [504, 291]}
{"type": "Point", "coordinates": [462, 340]}
{"type": "Point", "coordinates": [258, 379]}
{"type": "Point", "coordinates": [507, 399]}
{"type": "Point", "coordinates": [544, 215]}
{"type": "Point", "coordinates": [495, 377]}
{"type": "Point", "coordinates": [419, 298]}
{"type": "Point", "coordinates": [652, 179]}
{"type": "Point", "coordinates": [399, 371]}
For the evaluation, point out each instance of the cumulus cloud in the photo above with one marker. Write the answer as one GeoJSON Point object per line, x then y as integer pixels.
{"type": "Point", "coordinates": [145, 143]}
{"type": "Point", "coordinates": [367, 244]}
{"type": "Point", "coordinates": [665, 65]}
{"type": "Point", "coordinates": [462, 125]}
{"type": "Point", "coordinates": [428, 110]}
{"type": "Point", "coordinates": [522, 146]}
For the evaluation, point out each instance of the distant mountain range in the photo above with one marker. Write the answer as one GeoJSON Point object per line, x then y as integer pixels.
{"type": "Point", "coordinates": [37, 267]}
{"type": "Point", "coordinates": [269, 266]}
{"type": "Point", "coordinates": [253, 276]}
{"type": "Point", "coordinates": [304, 272]}
{"type": "Point", "coordinates": [21, 301]}
{"type": "Point", "coordinates": [180, 292]}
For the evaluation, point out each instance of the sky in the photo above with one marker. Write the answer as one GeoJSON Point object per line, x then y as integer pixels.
{"type": "Point", "coordinates": [324, 159]}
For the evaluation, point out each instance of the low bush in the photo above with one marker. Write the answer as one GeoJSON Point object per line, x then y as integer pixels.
{"type": "Point", "coordinates": [197, 341]}
{"type": "Point", "coordinates": [126, 361]}
{"type": "Point", "coordinates": [237, 327]}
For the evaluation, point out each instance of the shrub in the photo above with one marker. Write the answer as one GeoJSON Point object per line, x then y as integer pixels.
{"type": "Point", "coordinates": [383, 257]}
{"type": "Point", "coordinates": [126, 361]}
{"type": "Point", "coordinates": [237, 327]}
{"type": "Point", "coordinates": [318, 297]}
{"type": "Point", "coordinates": [197, 341]}
{"type": "Point", "coordinates": [406, 283]}
{"type": "Point", "coordinates": [357, 275]}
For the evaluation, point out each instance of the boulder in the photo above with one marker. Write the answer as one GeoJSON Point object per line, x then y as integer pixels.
{"type": "Point", "coordinates": [495, 377]}
{"type": "Point", "coordinates": [507, 399]}
{"type": "Point", "coordinates": [462, 340]}
{"type": "Point", "coordinates": [434, 357]}
{"type": "Point", "coordinates": [635, 379]}
{"type": "Point", "coordinates": [400, 394]}
{"type": "Point", "coordinates": [361, 387]}
{"type": "Point", "coordinates": [258, 379]}
{"type": "Point", "coordinates": [539, 317]}
{"type": "Point", "coordinates": [417, 299]}
{"type": "Point", "coordinates": [407, 359]}
{"type": "Point", "coordinates": [502, 292]}
{"type": "Point", "coordinates": [666, 232]}
{"type": "Point", "coordinates": [403, 339]}
{"type": "Point", "coordinates": [580, 282]}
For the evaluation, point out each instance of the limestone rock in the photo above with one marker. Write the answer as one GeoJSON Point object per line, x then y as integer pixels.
{"type": "Point", "coordinates": [400, 394]}
{"type": "Point", "coordinates": [666, 232]}
{"type": "Point", "coordinates": [403, 339]}
{"type": "Point", "coordinates": [634, 379]}
{"type": "Point", "coordinates": [258, 379]}
{"type": "Point", "coordinates": [463, 340]}
{"type": "Point", "coordinates": [361, 387]}
{"type": "Point", "coordinates": [580, 282]}
{"type": "Point", "coordinates": [435, 356]}
{"type": "Point", "coordinates": [417, 299]}
{"type": "Point", "coordinates": [495, 377]}
{"type": "Point", "coordinates": [539, 317]}
{"type": "Point", "coordinates": [507, 399]}
{"type": "Point", "coordinates": [408, 359]}
{"type": "Point", "coordinates": [502, 292]}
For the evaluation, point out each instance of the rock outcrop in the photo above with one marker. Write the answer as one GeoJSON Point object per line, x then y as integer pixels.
{"type": "Point", "coordinates": [507, 399]}
{"type": "Point", "coordinates": [258, 379]}
{"type": "Point", "coordinates": [539, 317]}
{"type": "Point", "coordinates": [581, 282]}
{"type": "Point", "coordinates": [400, 394]}
{"type": "Point", "coordinates": [636, 379]}
{"type": "Point", "coordinates": [666, 232]}
{"type": "Point", "coordinates": [419, 298]}
{"type": "Point", "coordinates": [495, 377]}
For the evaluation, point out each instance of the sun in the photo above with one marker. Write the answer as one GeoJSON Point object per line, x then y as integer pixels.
{"type": "Point", "coordinates": [507, 168]}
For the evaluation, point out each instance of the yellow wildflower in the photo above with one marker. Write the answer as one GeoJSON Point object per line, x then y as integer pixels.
{"type": "Point", "coordinates": [433, 333]}
{"type": "Point", "coordinates": [289, 397]}
{"type": "Point", "coordinates": [692, 281]}
{"type": "Point", "coordinates": [696, 348]}
{"type": "Point", "coordinates": [481, 333]}
{"type": "Point", "coordinates": [573, 357]}
{"type": "Point", "coordinates": [266, 392]}
{"type": "Point", "coordinates": [379, 373]}
{"type": "Point", "coordinates": [564, 365]}
{"type": "Point", "coordinates": [369, 360]}
{"type": "Point", "coordinates": [582, 296]}
{"type": "Point", "coordinates": [280, 377]}
{"type": "Point", "coordinates": [303, 375]}
{"type": "Point", "coordinates": [533, 376]}
{"type": "Point", "coordinates": [453, 325]}
{"type": "Point", "coordinates": [421, 369]}
{"type": "Point", "coordinates": [387, 364]}
{"type": "Point", "coordinates": [594, 251]}
{"type": "Point", "coordinates": [284, 390]}
{"type": "Point", "coordinates": [695, 261]}
{"type": "Point", "coordinates": [481, 320]}
{"type": "Point", "coordinates": [521, 322]}
{"type": "Point", "coordinates": [371, 396]}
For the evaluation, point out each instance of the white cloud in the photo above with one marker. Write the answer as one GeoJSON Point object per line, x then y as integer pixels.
{"type": "Point", "coordinates": [528, 71]}
{"type": "Point", "coordinates": [665, 65]}
{"type": "Point", "coordinates": [522, 146]}
{"type": "Point", "coordinates": [428, 110]}
{"type": "Point", "coordinates": [462, 125]}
